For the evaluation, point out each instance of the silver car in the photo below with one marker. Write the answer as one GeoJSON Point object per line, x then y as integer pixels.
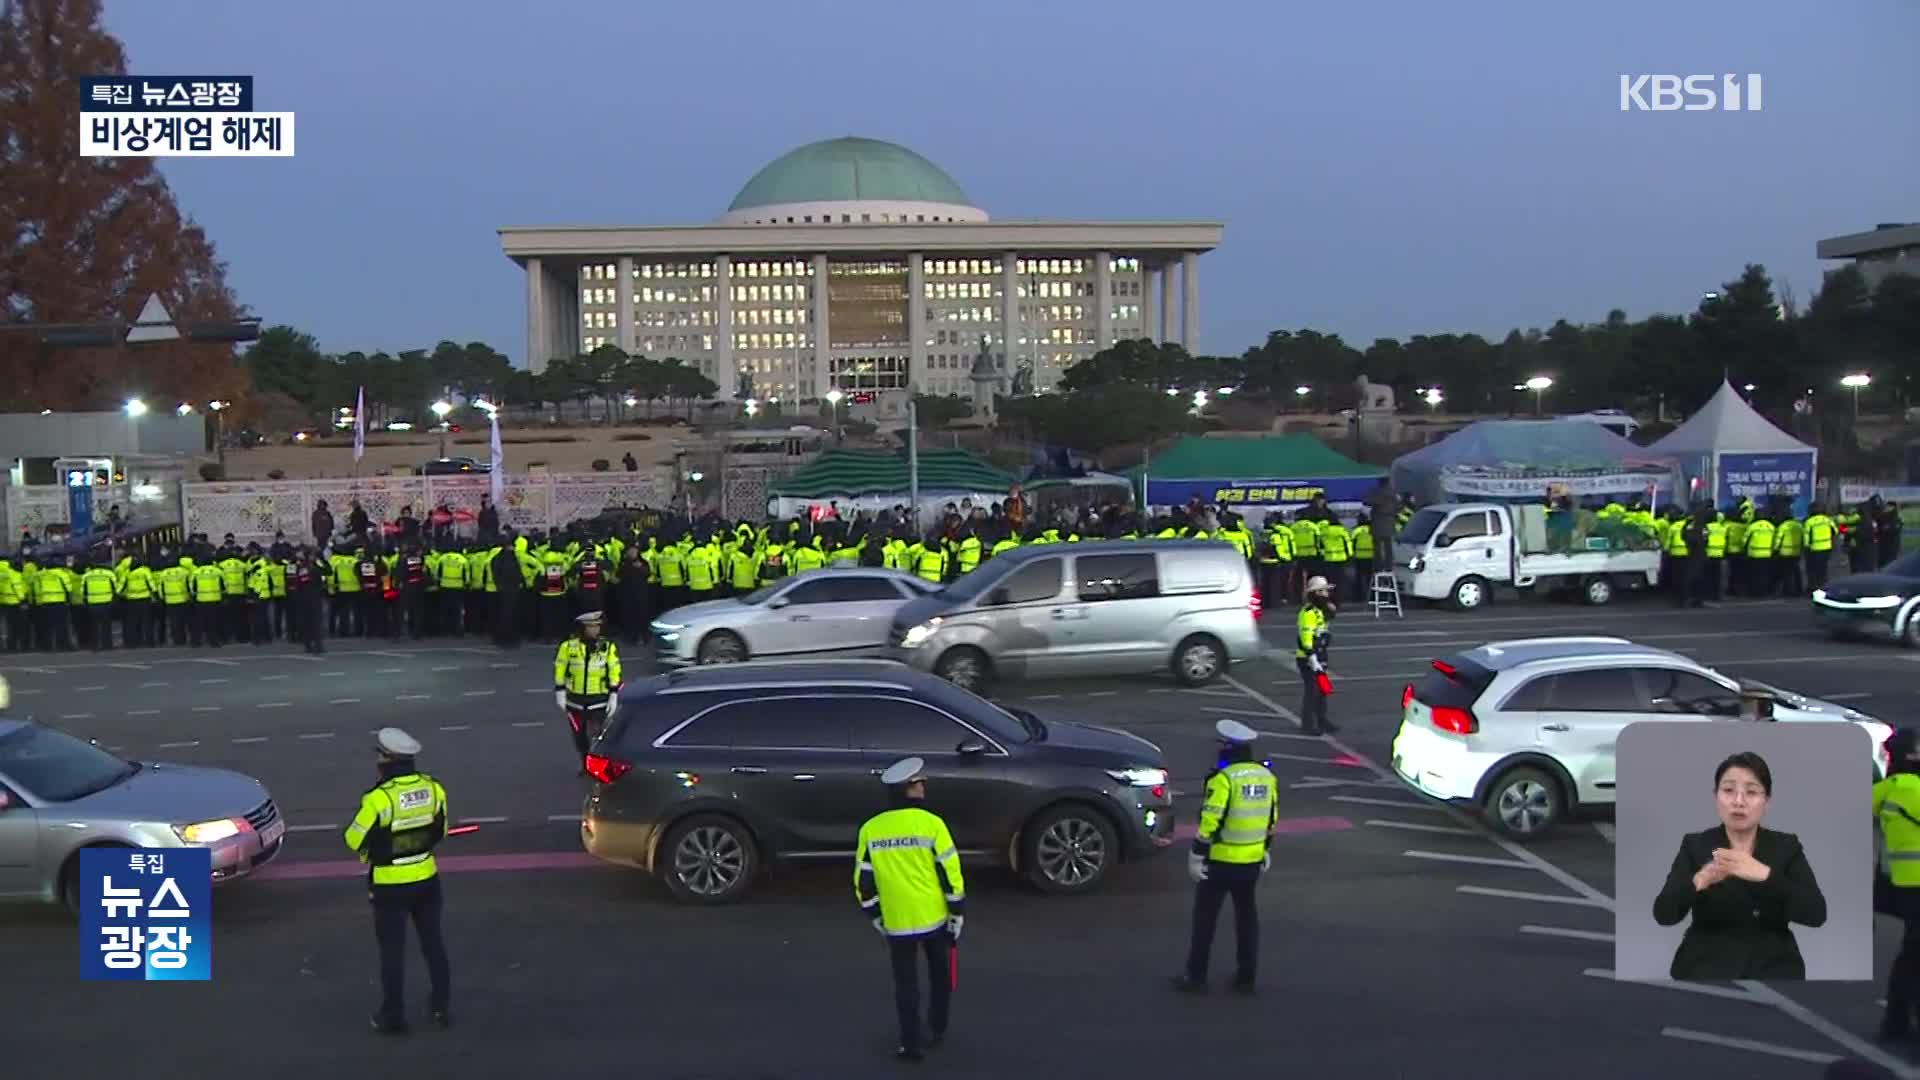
{"type": "Point", "coordinates": [59, 794]}
{"type": "Point", "coordinates": [834, 611]}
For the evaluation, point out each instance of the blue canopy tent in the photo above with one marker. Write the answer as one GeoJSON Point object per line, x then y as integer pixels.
{"type": "Point", "coordinates": [1522, 460]}
{"type": "Point", "coordinates": [1727, 452]}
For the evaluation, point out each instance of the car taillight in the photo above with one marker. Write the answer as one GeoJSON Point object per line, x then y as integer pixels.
{"type": "Point", "coordinates": [1446, 669]}
{"type": "Point", "coordinates": [1456, 721]}
{"type": "Point", "coordinates": [1406, 696]}
{"type": "Point", "coordinates": [606, 769]}
{"type": "Point", "coordinates": [1254, 604]}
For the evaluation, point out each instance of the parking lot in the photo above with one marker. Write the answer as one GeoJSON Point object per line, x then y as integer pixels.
{"type": "Point", "coordinates": [1401, 937]}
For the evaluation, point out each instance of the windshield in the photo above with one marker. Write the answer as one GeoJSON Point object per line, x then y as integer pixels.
{"type": "Point", "coordinates": [1422, 525]}
{"type": "Point", "coordinates": [1035, 728]}
{"type": "Point", "coordinates": [760, 595]}
{"type": "Point", "coordinates": [57, 767]}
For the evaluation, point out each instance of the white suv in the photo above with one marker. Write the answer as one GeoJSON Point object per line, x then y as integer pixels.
{"type": "Point", "coordinates": [1525, 730]}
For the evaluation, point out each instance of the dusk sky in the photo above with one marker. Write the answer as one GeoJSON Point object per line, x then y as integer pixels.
{"type": "Point", "coordinates": [1382, 169]}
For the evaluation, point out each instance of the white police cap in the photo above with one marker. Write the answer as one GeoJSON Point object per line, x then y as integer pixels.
{"type": "Point", "coordinates": [588, 618]}
{"type": "Point", "coordinates": [1235, 732]}
{"type": "Point", "coordinates": [904, 771]}
{"type": "Point", "coordinates": [397, 743]}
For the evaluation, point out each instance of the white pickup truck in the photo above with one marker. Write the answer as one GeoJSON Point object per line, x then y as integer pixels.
{"type": "Point", "coordinates": [1459, 552]}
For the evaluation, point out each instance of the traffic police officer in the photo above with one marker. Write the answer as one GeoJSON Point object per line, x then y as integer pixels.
{"type": "Point", "coordinates": [1896, 805]}
{"type": "Point", "coordinates": [586, 681]}
{"type": "Point", "coordinates": [1311, 636]}
{"type": "Point", "coordinates": [906, 876]}
{"type": "Point", "coordinates": [400, 820]}
{"type": "Point", "coordinates": [1230, 852]}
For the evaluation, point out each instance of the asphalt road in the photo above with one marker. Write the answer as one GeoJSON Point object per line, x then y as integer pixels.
{"type": "Point", "coordinates": [1400, 938]}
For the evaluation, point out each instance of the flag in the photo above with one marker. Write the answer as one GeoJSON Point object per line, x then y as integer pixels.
{"type": "Point", "coordinates": [497, 474]}
{"type": "Point", "coordinates": [360, 425]}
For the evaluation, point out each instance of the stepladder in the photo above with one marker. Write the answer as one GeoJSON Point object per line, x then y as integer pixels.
{"type": "Point", "coordinates": [1384, 595]}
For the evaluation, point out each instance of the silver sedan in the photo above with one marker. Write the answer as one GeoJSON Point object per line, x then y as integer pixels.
{"type": "Point", "coordinates": [59, 794]}
{"type": "Point", "coordinates": [835, 611]}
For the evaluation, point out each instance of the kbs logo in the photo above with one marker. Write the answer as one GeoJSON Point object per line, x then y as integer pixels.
{"type": "Point", "coordinates": [1689, 93]}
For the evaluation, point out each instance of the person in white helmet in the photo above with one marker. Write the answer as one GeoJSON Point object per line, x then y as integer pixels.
{"type": "Point", "coordinates": [1231, 850]}
{"type": "Point", "coordinates": [907, 878]}
{"type": "Point", "coordinates": [1312, 632]}
{"type": "Point", "coordinates": [400, 821]}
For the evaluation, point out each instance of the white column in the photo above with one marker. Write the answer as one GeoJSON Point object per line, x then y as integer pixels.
{"type": "Point", "coordinates": [1010, 346]}
{"type": "Point", "coordinates": [1150, 302]}
{"type": "Point", "coordinates": [822, 340]}
{"type": "Point", "coordinates": [536, 317]}
{"type": "Point", "coordinates": [1190, 301]}
{"type": "Point", "coordinates": [1166, 303]}
{"type": "Point", "coordinates": [626, 337]}
{"type": "Point", "coordinates": [724, 374]}
{"type": "Point", "coordinates": [1102, 299]}
{"type": "Point", "coordinates": [917, 319]}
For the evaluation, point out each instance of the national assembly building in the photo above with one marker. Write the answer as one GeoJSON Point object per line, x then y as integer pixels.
{"type": "Point", "coordinates": [858, 265]}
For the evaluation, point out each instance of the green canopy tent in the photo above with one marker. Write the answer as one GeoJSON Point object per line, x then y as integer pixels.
{"type": "Point", "coordinates": [879, 480]}
{"type": "Point", "coordinates": [1271, 472]}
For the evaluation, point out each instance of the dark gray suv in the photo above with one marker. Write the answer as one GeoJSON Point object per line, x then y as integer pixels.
{"type": "Point", "coordinates": [708, 775]}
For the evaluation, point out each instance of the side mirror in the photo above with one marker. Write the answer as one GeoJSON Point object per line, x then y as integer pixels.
{"type": "Point", "coordinates": [1443, 541]}
{"type": "Point", "coordinates": [971, 748]}
{"type": "Point", "coordinates": [778, 602]}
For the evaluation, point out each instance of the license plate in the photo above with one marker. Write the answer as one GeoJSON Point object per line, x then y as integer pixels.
{"type": "Point", "coordinates": [271, 835]}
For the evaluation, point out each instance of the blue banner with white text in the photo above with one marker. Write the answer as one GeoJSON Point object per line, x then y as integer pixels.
{"type": "Point", "coordinates": [146, 914]}
{"type": "Point", "coordinates": [1233, 494]}
{"type": "Point", "coordinates": [1763, 477]}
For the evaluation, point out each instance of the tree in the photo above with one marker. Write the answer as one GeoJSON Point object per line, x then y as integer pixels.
{"type": "Point", "coordinates": [937, 411]}
{"type": "Point", "coordinates": [88, 239]}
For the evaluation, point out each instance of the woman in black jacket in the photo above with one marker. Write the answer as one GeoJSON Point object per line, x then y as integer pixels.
{"type": "Point", "coordinates": [1742, 884]}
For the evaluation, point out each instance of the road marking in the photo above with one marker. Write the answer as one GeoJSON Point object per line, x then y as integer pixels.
{"type": "Point", "coordinates": [413, 697]}
{"type": "Point", "coordinates": [563, 817]}
{"type": "Point", "coordinates": [498, 666]}
{"type": "Point", "coordinates": [318, 735]}
{"type": "Point", "coordinates": [312, 828]}
{"type": "Point", "coordinates": [456, 727]}
{"type": "Point", "coordinates": [479, 693]}
{"type": "Point", "coordinates": [143, 712]}
{"type": "Point", "coordinates": [1397, 804]}
{"type": "Point", "coordinates": [1512, 894]}
{"type": "Point", "coordinates": [76, 716]}
{"type": "Point", "coordinates": [395, 653]}
{"type": "Point", "coordinates": [536, 690]}
{"type": "Point", "coordinates": [270, 678]}
{"type": "Point", "coordinates": [1415, 826]}
{"type": "Point", "coordinates": [214, 682]}
{"type": "Point", "coordinates": [449, 667]}
{"type": "Point", "coordinates": [206, 708]}
{"type": "Point", "coordinates": [1200, 691]}
{"type": "Point", "coordinates": [1342, 781]}
{"type": "Point", "coordinates": [87, 689]}
{"type": "Point", "coordinates": [221, 663]}
{"type": "Point", "coordinates": [333, 674]}
{"type": "Point", "coordinates": [389, 671]}
{"type": "Point", "coordinates": [1565, 932]}
{"type": "Point", "coordinates": [1689, 1035]}
{"type": "Point", "coordinates": [482, 820]}
{"type": "Point", "coordinates": [20, 693]}
{"type": "Point", "coordinates": [1691, 988]}
{"type": "Point", "coordinates": [1104, 693]}
{"type": "Point", "coordinates": [1266, 702]}
{"type": "Point", "coordinates": [250, 740]}
{"type": "Point", "coordinates": [131, 667]}
{"type": "Point", "coordinates": [275, 705]}
{"type": "Point", "coordinates": [1046, 697]}
{"type": "Point", "coordinates": [1472, 860]}
{"type": "Point", "coordinates": [1288, 734]}
{"type": "Point", "coordinates": [344, 701]}
{"type": "Point", "coordinates": [529, 723]}
{"type": "Point", "coordinates": [178, 745]}
{"type": "Point", "coordinates": [1262, 713]}
{"type": "Point", "coordinates": [1605, 829]}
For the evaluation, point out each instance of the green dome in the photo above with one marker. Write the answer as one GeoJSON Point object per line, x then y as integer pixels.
{"type": "Point", "coordinates": [849, 170]}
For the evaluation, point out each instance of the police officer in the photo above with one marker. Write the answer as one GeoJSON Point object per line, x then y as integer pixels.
{"type": "Point", "coordinates": [1311, 635]}
{"type": "Point", "coordinates": [1230, 852]}
{"type": "Point", "coordinates": [1896, 805]}
{"type": "Point", "coordinates": [906, 876]}
{"type": "Point", "coordinates": [586, 681]}
{"type": "Point", "coordinates": [400, 820]}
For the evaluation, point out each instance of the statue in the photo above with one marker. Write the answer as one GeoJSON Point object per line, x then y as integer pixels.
{"type": "Point", "coordinates": [1375, 414]}
{"type": "Point", "coordinates": [1372, 397]}
{"type": "Point", "coordinates": [743, 389]}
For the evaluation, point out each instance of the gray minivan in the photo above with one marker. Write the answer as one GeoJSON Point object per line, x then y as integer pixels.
{"type": "Point", "coordinates": [1112, 607]}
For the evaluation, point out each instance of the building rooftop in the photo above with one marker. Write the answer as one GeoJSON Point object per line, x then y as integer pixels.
{"type": "Point", "coordinates": [849, 169]}
{"type": "Point", "coordinates": [1881, 238]}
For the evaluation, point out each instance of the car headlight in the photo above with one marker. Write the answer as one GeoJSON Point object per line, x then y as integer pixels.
{"type": "Point", "coordinates": [208, 832]}
{"type": "Point", "coordinates": [1416, 564]}
{"type": "Point", "coordinates": [1139, 776]}
{"type": "Point", "coordinates": [1819, 594]}
{"type": "Point", "coordinates": [668, 628]}
{"type": "Point", "coordinates": [919, 634]}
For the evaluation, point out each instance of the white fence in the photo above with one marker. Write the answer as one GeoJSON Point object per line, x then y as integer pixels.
{"type": "Point", "coordinates": [255, 510]}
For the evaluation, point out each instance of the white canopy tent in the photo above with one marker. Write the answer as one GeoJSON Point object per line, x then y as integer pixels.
{"type": "Point", "coordinates": [1728, 451]}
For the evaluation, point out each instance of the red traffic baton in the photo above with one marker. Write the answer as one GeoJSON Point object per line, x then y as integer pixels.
{"type": "Point", "coordinates": [1325, 684]}
{"type": "Point", "coordinates": [953, 966]}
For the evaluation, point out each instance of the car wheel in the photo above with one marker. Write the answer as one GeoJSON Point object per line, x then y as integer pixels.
{"type": "Point", "coordinates": [1068, 849]}
{"type": "Point", "coordinates": [70, 880]}
{"type": "Point", "coordinates": [1524, 804]}
{"type": "Point", "coordinates": [1912, 634]}
{"type": "Point", "coordinates": [965, 667]}
{"type": "Point", "coordinates": [721, 647]}
{"type": "Point", "coordinates": [1198, 660]}
{"type": "Point", "coordinates": [1469, 594]}
{"type": "Point", "coordinates": [709, 859]}
{"type": "Point", "coordinates": [1597, 592]}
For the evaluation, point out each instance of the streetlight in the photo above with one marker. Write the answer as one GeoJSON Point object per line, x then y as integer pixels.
{"type": "Point", "coordinates": [1301, 392]}
{"type": "Point", "coordinates": [1225, 391]}
{"type": "Point", "coordinates": [752, 407]}
{"type": "Point", "coordinates": [1433, 398]}
{"type": "Point", "coordinates": [1749, 388]}
{"type": "Point", "coordinates": [834, 397]}
{"type": "Point", "coordinates": [1199, 401]}
{"type": "Point", "coordinates": [440, 409]}
{"type": "Point", "coordinates": [219, 410]}
{"type": "Point", "coordinates": [184, 409]}
{"type": "Point", "coordinates": [1856, 383]}
{"type": "Point", "coordinates": [1538, 384]}
{"type": "Point", "coordinates": [136, 408]}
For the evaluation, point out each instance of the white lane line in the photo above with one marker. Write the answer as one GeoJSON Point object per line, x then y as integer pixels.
{"type": "Point", "coordinates": [131, 667]}
{"type": "Point", "coordinates": [1045, 697]}
{"type": "Point", "coordinates": [395, 653]}
{"type": "Point", "coordinates": [271, 678]}
{"type": "Point", "coordinates": [1566, 932]}
{"type": "Point", "coordinates": [1472, 860]}
{"type": "Point", "coordinates": [482, 820]}
{"type": "Point", "coordinates": [249, 740]}
{"type": "Point", "coordinates": [206, 708]}
{"type": "Point", "coordinates": [178, 745]}
{"type": "Point", "coordinates": [87, 689]}
{"type": "Point", "coordinates": [1855, 1044]}
{"type": "Point", "coordinates": [450, 667]}
{"type": "Point", "coordinates": [76, 716]}
{"type": "Point", "coordinates": [479, 693]}
{"type": "Point", "coordinates": [529, 723]}
{"type": "Point", "coordinates": [1268, 703]}
{"type": "Point", "coordinates": [1513, 894]}
{"type": "Point", "coordinates": [344, 701]}
{"type": "Point", "coordinates": [497, 666]}
{"type": "Point", "coordinates": [214, 682]}
{"type": "Point", "coordinates": [318, 735]}
{"type": "Point", "coordinates": [1605, 829]}
{"type": "Point", "coordinates": [1288, 734]}
{"type": "Point", "coordinates": [1104, 693]}
{"type": "Point", "coordinates": [275, 705]}
{"type": "Point", "coordinates": [1689, 1035]}
{"type": "Point", "coordinates": [1415, 826]}
{"type": "Point", "coordinates": [413, 697]}
{"type": "Point", "coordinates": [222, 663]}
{"type": "Point", "coordinates": [312, 828]}
{"type": "Point", "coordinates": [456, 727]}
{"type": "Point", "coordinates": [1728, 993]}
{"type": "Point", "coordinates": [143, 712]}
{"type": "Point", "coordinates": [333, 674]}
{"type": "Point", "coordinates": [20, 693]}
{"type": "Point", "coordinates": [162, 682]}
{"type": "Point", "coordinates": [1311, 759]}
{"type": "Point", "coordinates": [1397, 804]}
{"type": "Point", "coordinates": [563, 817]}
{"type": "Point", "coordinates": [388, 671]}
{"type": "Point", "coordinates": [536, 690]}
{"type": "Point", "coordinates": [1202, 692]}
